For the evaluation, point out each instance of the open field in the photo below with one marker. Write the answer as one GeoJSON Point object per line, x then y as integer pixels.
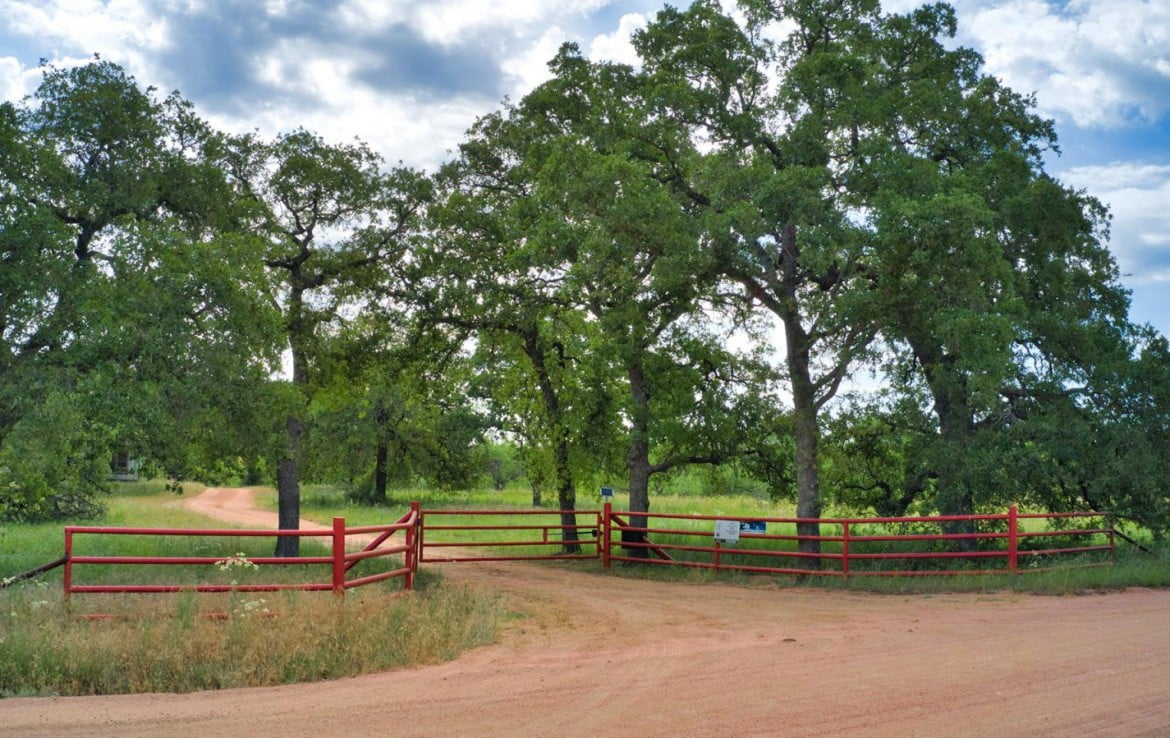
{"type": "Point", "coordinates": [618, 655]}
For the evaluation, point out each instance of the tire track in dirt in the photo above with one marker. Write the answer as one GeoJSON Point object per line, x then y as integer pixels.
{"type": "Point", "coordinates": [624, 656]}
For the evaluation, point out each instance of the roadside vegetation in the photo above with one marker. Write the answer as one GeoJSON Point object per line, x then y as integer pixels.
{"type": "Point", "coordinates": [172, 644]}
{"type": "Point", "coordinates": [185, 642]}
{"type": "Point", "coordinates": [1133, 569]}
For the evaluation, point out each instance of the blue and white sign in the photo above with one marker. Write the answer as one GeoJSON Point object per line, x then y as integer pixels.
{"type": "Point", "coordinates": [607, 491]}
{"type": "Point", "coordinates": [753, 526]}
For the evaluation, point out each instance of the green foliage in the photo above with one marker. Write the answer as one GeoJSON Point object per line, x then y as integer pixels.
{"type": "Point", "coordinates": [556, 305]}
{"type": "Point", "coordinates": [503, 464]}
{"type": "Point", "coordinates": [53, 463]}
{"type": "Point", "coordinates": [133, 304]}
{"type": "Point", "coordinates": [385, 413]}
{"type": "Point", "coordinates": [334, 226]}
{"type": "Point", "coordinates": [876, 456]}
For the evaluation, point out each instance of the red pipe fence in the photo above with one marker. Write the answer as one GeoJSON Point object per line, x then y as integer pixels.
{"type": "Point", "coordinates": [587, 535]}
{"type": "Point", "coordinates": [340, 560]}
{"type": "Point", "coordinates": [1009, 542]}
{"type": "Point", "coordinates": [847, 549]}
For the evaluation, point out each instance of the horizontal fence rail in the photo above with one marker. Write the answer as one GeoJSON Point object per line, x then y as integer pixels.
{"type": "Point", "coordinates": [1010, 542]}
{"type": "Point", "coordinates": [340, 560]}
{"type": "Point", "coordinates": [910, 546]}
{"type": "Point", "coordinates": [574, 534]}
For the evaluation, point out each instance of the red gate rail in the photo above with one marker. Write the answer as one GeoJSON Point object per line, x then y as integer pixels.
{"type": "Point", "coordinates": [593, 529]}
{"type": "Point", "coordinates": [340, 559]}
{"type": "Point", "coordinates": [840, 547]}
{"type": "Point", "coordinates": [848, 544]}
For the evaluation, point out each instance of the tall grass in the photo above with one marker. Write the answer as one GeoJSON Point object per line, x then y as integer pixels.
{"type": "Point", "coordinates": [170, 644]}
{"type": "Point", "coordinates": [190, 641]}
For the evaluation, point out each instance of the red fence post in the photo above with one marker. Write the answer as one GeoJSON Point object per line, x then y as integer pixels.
{"type": "Point", "coordinates": [422, 531]}
{"type": "Point", "coordinates": [339, 557]}
{"type": "Point", "coordinates": [845, 549]}
{"type": "Point", "coordinates": [1112, 544]}
{"type": "Point", "coordinates": [67, 579]}
{"type": "Point", "coordinates": [412, 537]}
{"type": "Point", "coordinates": [1013, 540]}
{"type": "Point", "coordinates": [606, 509]}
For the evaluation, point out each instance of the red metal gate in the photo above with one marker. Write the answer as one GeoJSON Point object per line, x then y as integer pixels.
{"type": "Point", "coordinates": [340, 561]}
{"type": "Point", "coordinates": [996, 543]}
{"type": "Point", "coordinates": [492, 534]}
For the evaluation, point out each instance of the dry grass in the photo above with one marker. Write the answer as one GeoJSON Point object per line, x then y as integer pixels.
{"type": "Point", "coordinates": [173, 643]}
{"type": "Point", "coordinates": [176, 644]}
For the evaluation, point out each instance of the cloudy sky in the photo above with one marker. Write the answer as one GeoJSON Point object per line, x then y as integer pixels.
{"type": "Point", "coordinates": [409, 76]}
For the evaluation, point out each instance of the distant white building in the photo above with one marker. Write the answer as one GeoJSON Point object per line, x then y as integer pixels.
{"type": "Point", "coordinates": [124, 468]}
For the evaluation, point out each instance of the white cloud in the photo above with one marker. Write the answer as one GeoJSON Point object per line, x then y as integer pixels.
{"type": "Point", "coordinates": [121, 27]}
{"type": "Point", "coordinates": [365, 14]}
{"type": "Point", "coordinates": [617, 46]}
{"type": "Point", "coordinates": [68, 33]}
{"type": "Point", "coordinates": [1118, 175]}
{"type": "Point", "coordinates": [417, 132]}
{"type": "Point", "coordinates": [452, 21]}
{"type": "Point", "coordinates": [1099, 63]}
{"type": "Point", "coordinates": [13, 79]}
{"type": "Point", "coordinates": [1138, 195]}
{"type": "Point", "coordinates": [530, 68]}
{"type": "Point", "coordinates": [276, 7]}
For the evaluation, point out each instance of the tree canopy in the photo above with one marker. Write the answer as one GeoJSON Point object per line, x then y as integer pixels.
{"type": "Point", "coordinates": [629, 271]}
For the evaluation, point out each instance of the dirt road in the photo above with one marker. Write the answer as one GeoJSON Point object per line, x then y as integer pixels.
{"type": "Point", "coordinates": [612, 656]}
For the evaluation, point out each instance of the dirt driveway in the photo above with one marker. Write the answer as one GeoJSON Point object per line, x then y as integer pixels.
{"type": "Point", "coordinates": [612, 656]}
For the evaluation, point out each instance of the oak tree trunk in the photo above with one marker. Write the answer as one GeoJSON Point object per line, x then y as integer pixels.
{"type": "Point", "coordinates": [638, 460]}
{"type": "Point", "coordinates": [804, 401]}
{"type": "Point", "coordinates": [952, 407]}
{"type": "Point", "coordinates": [380, 455]}
{"type": "Point", "coordinates": [288, 491]}
{"type": "Point", "coordinates": [566, 489]}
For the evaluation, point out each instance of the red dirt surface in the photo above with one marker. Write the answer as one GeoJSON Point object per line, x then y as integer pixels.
{"type": "Point", "coordinates": [607, 655]}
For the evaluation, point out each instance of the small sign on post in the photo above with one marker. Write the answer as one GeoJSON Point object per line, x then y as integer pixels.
{"type": "Point", "coordinates": [607, 492]}
{"type": "Point", "coordinates": [727, 531]}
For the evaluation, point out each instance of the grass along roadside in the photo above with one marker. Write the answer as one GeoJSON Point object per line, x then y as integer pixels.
{"type": "Point", "coordinates": [1133, 569]}
{"type": "Point", "coordinates": [169, 642]}
{"type": "Point", "coordinates": [165, 644]}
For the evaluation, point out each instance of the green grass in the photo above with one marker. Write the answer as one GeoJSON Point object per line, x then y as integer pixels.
{"type": "Point", "coordinates": [1133, 569]}
{"type": "Point", "coordinates": [146, 504]}
{"type": "Point", "coordinates": [23, 546]}
{"type": "Point", "coordinates": [171, 642]}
